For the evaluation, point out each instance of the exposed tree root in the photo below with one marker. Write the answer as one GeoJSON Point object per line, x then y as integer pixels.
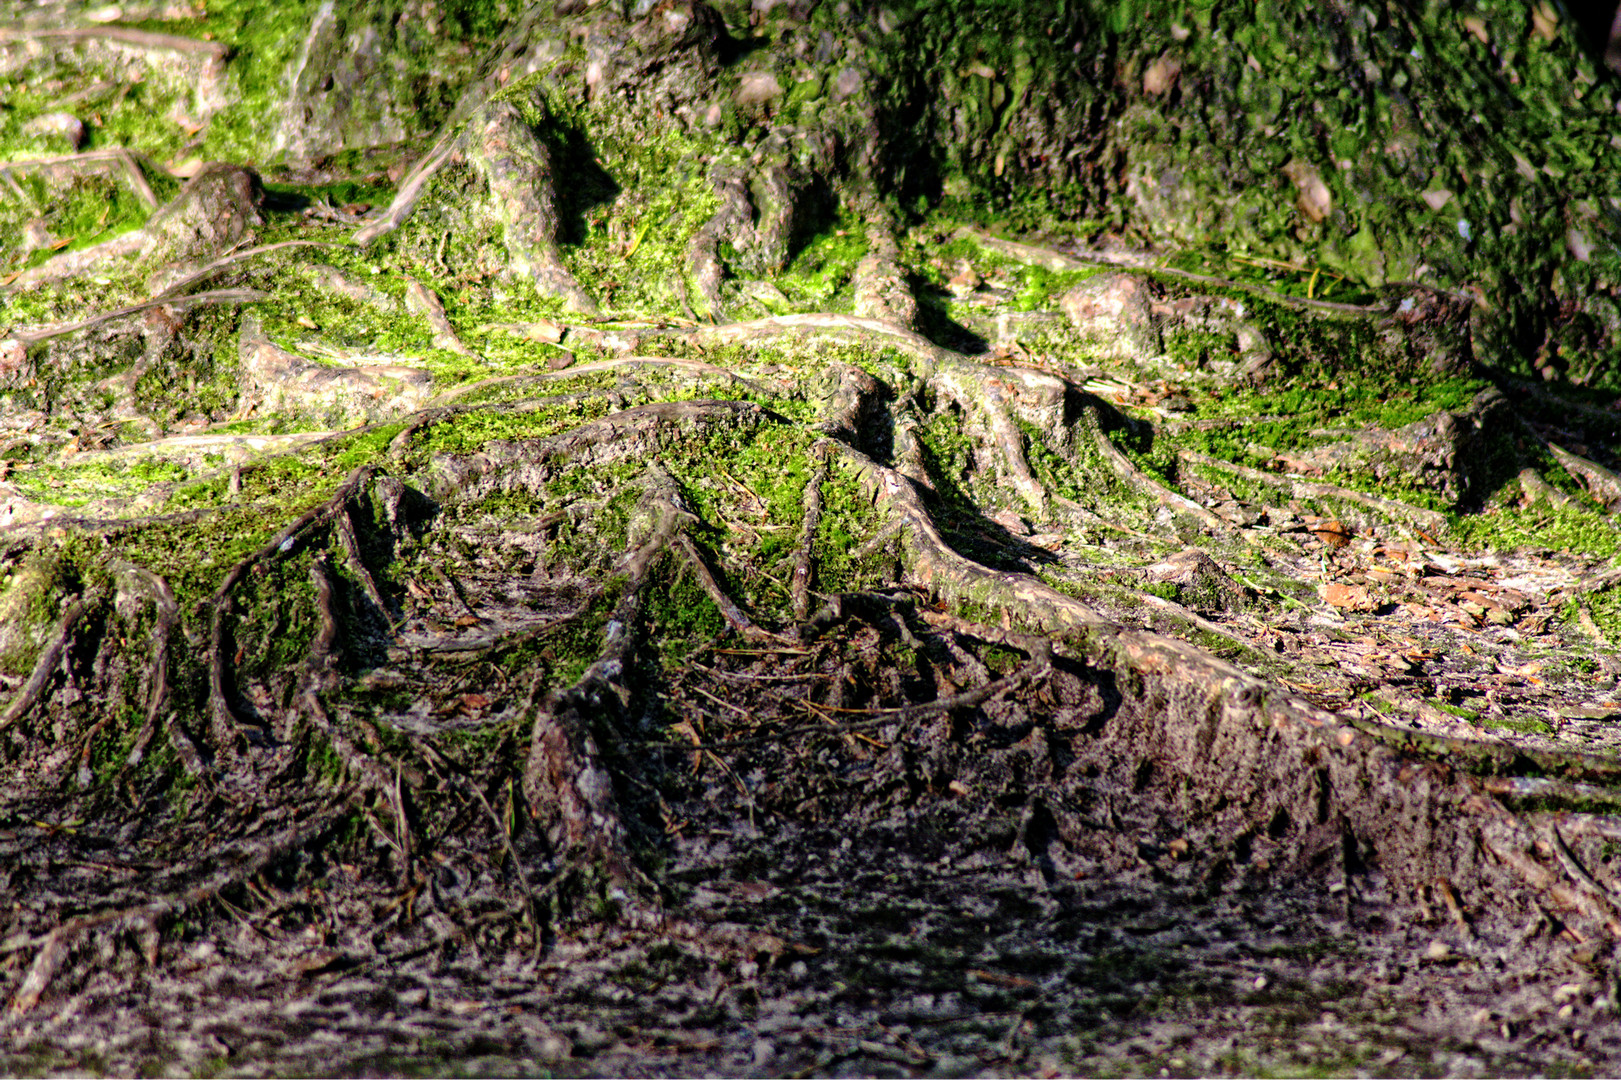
{"type": "Point", "coordinates": [409, 193]}
{"type": "Point", "coordinates": [124, 35]}
{"type": "Point", "coordinates": [219, 296]}
{"type": "Point", "coordinates": [799, 597]}
{"type": "Point", "coordinates": [846, 674]}
{"type": "Point", "coordinates": [881, 291]}
{"type": "Point", "coordinates": [935, 565]}
{"type": "Point", "coordinates": [49, 657]}
{"type": "Point", "coordinates": [235, 258]}
{"type": "Point", "coordinates": [1136, 479]}
{"type": "Point", "coordinates": [1306, 489]}
{"type": "Point", "coordinates": [704, 265]}
{"type": "Point", "coordinates": [222, 717]}
{"type": "Point", "coordinates": [565, 780]}
{"type": "Point", "coordinates": [1057, 260]}
{"type": "Point", "coordinates": [518, 169]}
{"type": "Point", "coordinates": [424, 303]}
{"type": "Point", "coordinates": [1600, 482]}
{"type": "Point", "coordinates": [574, 371]}
{"type": "Point", "coordinates": [734, 615]}
{"type": "Point", "coordinates": [238, 862]}
{"type": "Point", "coordinates": [158, 679]}
{"type": "Point", "coordinates": [93, 159]}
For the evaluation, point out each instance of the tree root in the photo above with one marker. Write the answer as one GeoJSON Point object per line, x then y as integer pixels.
{"type": "Point", "coordinates": [409, 193]}
{"type": "Point", "coordinates": [734, 616]}
{"type": "Point", "coordinates": [1602, 484]}
{"type": "Point", "coordinates": [50, 656]}
{"type": "Point", "coordinates": [203, 273]}
{"type": "Point", "coordinates": [420, 301]}
{"type": "Point", "coordinates": [120, 155]}
{"type": "Point", "coordinates": [1137, 480]}
{"type": "Point", "coordinates": [873, 719]}
{"type": "Point", "coordinates": [936, 566]}
{"type": "Point", "coordinates": [226, 734]}
{"type": "Point", "coordinates": [877, 333]}
{"type": "Point", "coordinates": [627, 433]}
{"type": "Point", "coordinates": [578, 370]}
{"type": "Point", "coordinates": [239, 865]}
{"type": "Point", "coordinates": [703, 262]}
{"type": "Point", "coordinates": [124, 35]}
{"type": "Point", "coordinates": [158, 696]}
{"type": "Point", "coordinates": [799, 593]}
{"type": "Point", "coordinates": [220, 296]}
{"type": "Point", "coordinates": [374, 776]}
{"type": "Point", "coordinates": [881, 291]}
{"type": "Point", "coordinates": [1057, 260]}
{"type": "Point", "coordinates": [565, 780]}
{"type": "Point", "coordinates": [518, 168]}
{"type": "Point", "coordinates": [1303, 489]}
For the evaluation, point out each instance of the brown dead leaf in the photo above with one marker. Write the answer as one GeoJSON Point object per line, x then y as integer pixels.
{"type": "Point", "coordinates": [1347, 597]}
{"type": "Point", "coordinates": [1333, 533]}
{"type": "Point", "coordinates": [468, 620]}
{"type": "Point", "coordinates": [1524, 670]}
{"type": "Point", "coordinates": [996, 978]}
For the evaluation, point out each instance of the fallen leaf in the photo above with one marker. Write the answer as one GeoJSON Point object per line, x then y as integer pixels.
{"type": "Point", "coordinates": [544, 330]}
{"type": "Point", "coordinates": [1523, 670]}
{"type": "Point", "coordinates": [1012, 982]}
{"type": "Point", "coordinates": [1332, 533]}
{"type": "Point", "coordinates": [1348, 597]}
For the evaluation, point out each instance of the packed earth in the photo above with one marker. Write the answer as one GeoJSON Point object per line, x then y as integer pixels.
{"type": "Point", "coordinates": [766, 538]}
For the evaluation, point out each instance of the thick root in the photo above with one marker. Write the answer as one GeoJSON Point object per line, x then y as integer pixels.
{"type": "Point", "coordinates": [565, 781]}
{"type": "Point", "coordinates": [518, 168]}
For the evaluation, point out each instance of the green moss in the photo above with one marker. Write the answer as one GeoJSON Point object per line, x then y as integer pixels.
{"type": "Point", "coordinates": [820, 276]}
{"type": "Point", "coordinates": [29, 605]}
{"type": "Point", "coordinates": [680, 613]}
{"type": "Point", "coordinates": [1541, 527]}
{"type": "Point", "coordinates": [1523, 726]}
{"type": "Point", "coordinates": [1457, 710]}
{"type": "Point", "coordinates": [470, 431]}
{"type": "Point", "coordinates": [849, 520]}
